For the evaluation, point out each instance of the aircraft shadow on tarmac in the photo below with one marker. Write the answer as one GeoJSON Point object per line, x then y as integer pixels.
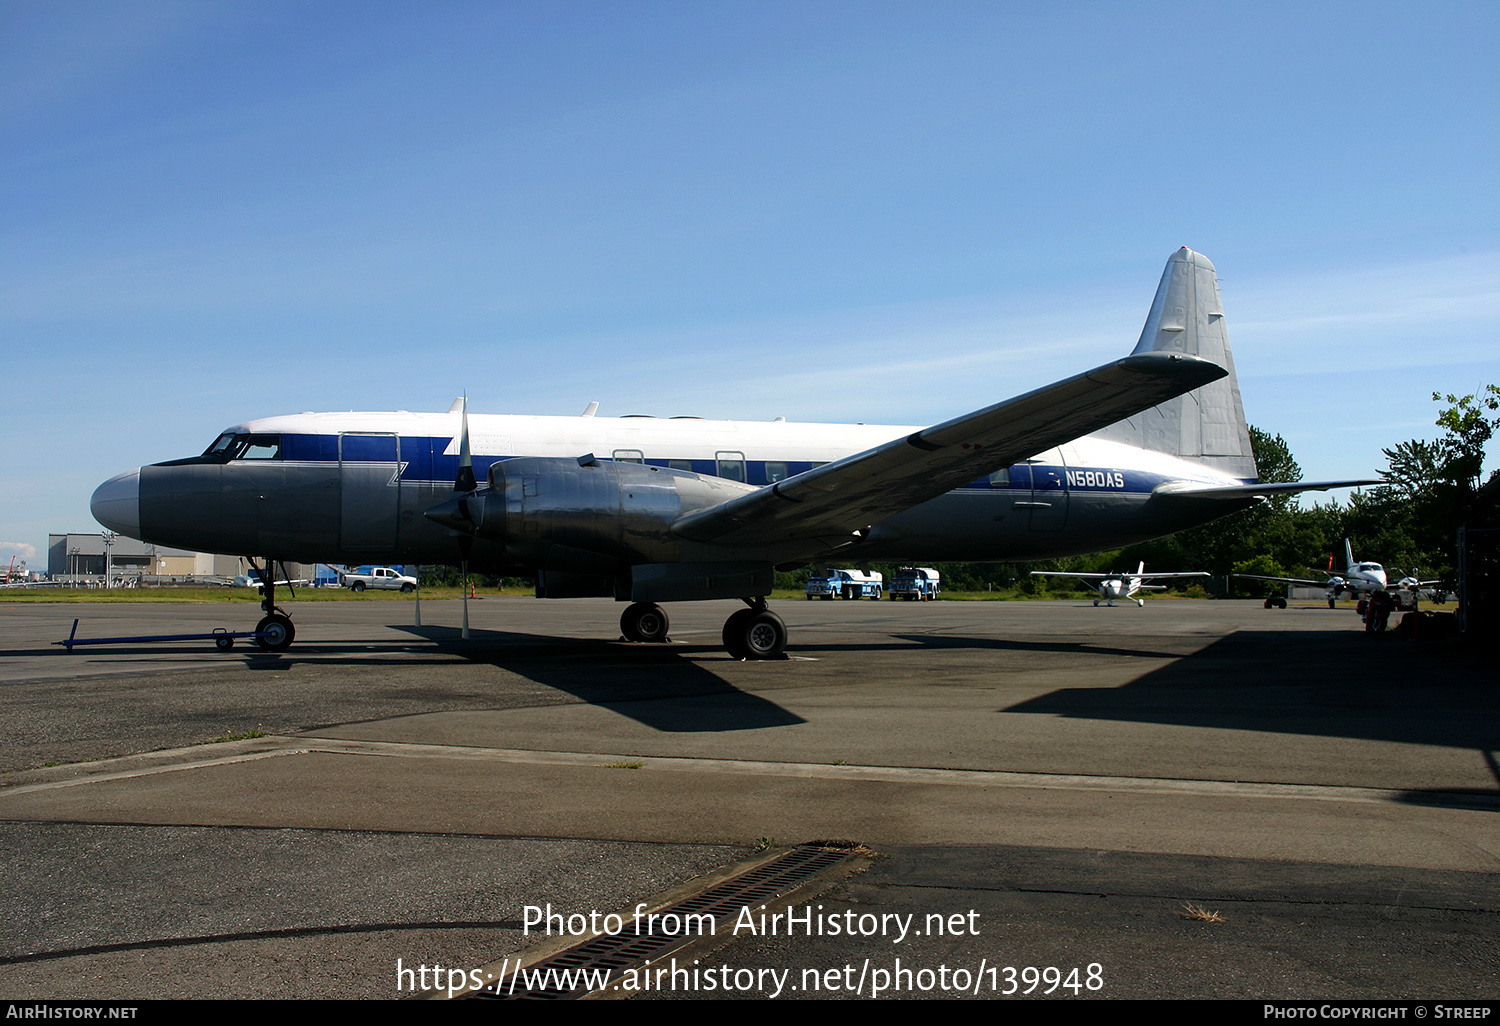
{"type": "Point", "coordinates": [647, 683]}
{"type": "Point", "coordinates": [1332, 684]}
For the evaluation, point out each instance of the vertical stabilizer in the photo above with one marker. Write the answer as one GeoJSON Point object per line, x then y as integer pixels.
{"type": "Point", "coordinates": [1207, 424]}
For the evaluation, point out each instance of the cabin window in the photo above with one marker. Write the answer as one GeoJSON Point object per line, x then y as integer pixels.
{"type": "Point", "coordinates": [629, 456]}
{"type": "Point", "coordinates": [776, 472]}
{"type": "Point", "coordinates": [680, 465]}
{"type": "Point", "coordinates": [1000, 478]}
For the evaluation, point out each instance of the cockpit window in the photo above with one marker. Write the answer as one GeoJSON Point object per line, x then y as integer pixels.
{"type": "Point", "coordinates": [227, 446]}
{"type": "Point", "coordinates": [262, 447]}
{"type": "Point", "coordinates": [242, 446]}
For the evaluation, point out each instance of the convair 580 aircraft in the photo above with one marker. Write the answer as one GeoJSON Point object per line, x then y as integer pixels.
{"type": "Point", "coordinates": [653, 511]}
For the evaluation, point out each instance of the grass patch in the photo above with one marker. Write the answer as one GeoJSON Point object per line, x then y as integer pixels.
{"type": "Point", "coordinates": [239, 735]}
{"type": "Point", "coordinates": [1199, 913]}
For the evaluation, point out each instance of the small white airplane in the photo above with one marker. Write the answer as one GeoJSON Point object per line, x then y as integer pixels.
{"type": "Point", "coordinates": [1357, 579]}
{"type": "Point", "coordinates": [1122, 585]}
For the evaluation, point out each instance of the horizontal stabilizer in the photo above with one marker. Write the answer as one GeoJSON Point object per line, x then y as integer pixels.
{"type": "Point", "coordinates": [1195, 490]}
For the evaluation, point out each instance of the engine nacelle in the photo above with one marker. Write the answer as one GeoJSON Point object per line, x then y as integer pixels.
{"type": "Point", "coordinates": [595, 517]}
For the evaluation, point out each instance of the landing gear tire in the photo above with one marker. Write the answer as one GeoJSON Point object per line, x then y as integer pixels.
{"type": "Point", "coordinates": [644, 621]}
{"type": "Point", "coordinates": [755, 634]}
{"type": "Point", "coordinates": [357, 587]}
{"type": "Point", "coordinates": [277, 633]}
{"type": "Point", "coordinates": [1332, 603]}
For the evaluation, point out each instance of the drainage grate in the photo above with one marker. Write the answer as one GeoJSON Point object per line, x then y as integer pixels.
{"type": "Point", "coordinates": [566, 975]}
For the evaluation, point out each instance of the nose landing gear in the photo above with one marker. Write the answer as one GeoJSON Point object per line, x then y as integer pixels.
{"type": "Point", "coordinates": [276, 632]}
{"type": "Point", "coordinates": [275, 628]}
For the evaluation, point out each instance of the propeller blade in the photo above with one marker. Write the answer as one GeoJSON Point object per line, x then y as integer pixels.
{"type": "Point", "coordinates": [465, 481]}
{"type": "Point", "coordinates": [458, 512]}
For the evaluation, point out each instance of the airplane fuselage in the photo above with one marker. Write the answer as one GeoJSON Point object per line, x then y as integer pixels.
{"type": "Point", "coordinates": [352, 488]}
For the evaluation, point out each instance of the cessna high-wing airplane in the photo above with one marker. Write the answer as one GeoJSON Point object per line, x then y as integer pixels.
{"type": "Point", "coordinates": [651, 511]}
{"type": "Point", "coordinates": [1126, 586]}
{"type": "Point", "coordinates": [1357, 579]}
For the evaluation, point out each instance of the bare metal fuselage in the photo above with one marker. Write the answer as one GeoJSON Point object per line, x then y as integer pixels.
{"type": "Point", "coordinates": [352, 488]}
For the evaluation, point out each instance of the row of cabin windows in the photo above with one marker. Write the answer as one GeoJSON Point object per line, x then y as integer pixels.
{"type": "Point", "coordinates": [726, 464]}
{"type": "Point", "coordinates": [729, 465]}
{"type": "Point", "coordinates": [242, 446]}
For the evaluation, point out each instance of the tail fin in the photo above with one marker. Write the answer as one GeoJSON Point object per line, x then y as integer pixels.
{"type": "Point", "coordinates": [1348, 556]}
{"type": "Point", "coordinates": [1207, 424]}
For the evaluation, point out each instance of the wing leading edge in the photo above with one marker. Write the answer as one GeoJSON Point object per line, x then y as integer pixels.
{"type": "Point", "coordinates": [855, 492]}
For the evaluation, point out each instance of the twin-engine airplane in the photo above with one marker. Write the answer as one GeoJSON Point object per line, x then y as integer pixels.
{"type": "Point", "coordinates": [651, 511]}
{"type": "Point", "coordinates": [1121, 586]}
{"type": "Point", "coordinates": [1356, 580]}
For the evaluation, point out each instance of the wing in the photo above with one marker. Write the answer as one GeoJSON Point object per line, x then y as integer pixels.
{"type": "Point", "coordinates": [1143, 578]}
{"type": "Point", "coordinates": [851, 494]}
{"type": "Point", "coordinates": [1287, 580]}
{"type": "Point", "coordinates": [1065, 573]}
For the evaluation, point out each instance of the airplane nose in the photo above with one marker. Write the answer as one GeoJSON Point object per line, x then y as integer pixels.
{"type": "Point", "coordinates": [117, 503]}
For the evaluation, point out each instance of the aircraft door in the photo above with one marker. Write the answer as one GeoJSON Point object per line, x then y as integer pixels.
{"type": "Point", "coordinates": [370, 491]}
{"type": "Point", "coordinates": [1049, 492]}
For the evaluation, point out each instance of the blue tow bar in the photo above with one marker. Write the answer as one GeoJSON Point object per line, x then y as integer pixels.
{"type": "Point", "coordinates": [219, 636]}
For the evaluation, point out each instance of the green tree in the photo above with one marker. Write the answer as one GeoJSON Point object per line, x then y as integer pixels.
{"type": "Point", "coordinates": [1265, 529]}
{"type": "Point", "coordinates": [1433, 487]}
{"type": "Point", "coordinates": [1468, 430]}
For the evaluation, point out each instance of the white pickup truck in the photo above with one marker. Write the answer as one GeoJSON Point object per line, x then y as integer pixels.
{"type": "Point", "coordinates": [378, 577]}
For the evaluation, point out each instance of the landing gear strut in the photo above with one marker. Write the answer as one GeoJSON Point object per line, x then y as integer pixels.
{"type": "Point", "coordinates": [275, 627]}
{"type": "Point", "coordinates": [755, 633]}
{"type": "Point", "coordinates": [644, 621]}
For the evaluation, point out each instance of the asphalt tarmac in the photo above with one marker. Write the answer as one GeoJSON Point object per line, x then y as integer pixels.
{"type": "Point", "coordinates": [1044, 789]}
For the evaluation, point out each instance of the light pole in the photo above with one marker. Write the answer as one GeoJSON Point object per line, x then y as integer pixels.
{"type": "Point", "coordinates": [109, 541]}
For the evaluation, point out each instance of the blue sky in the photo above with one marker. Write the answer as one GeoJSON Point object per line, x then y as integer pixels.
{"type": "Point", "coordinates": [894, 213]}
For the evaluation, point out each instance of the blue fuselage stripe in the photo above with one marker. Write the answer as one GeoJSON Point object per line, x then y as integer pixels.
{"type": "Point", "coordinates": [425, 459]}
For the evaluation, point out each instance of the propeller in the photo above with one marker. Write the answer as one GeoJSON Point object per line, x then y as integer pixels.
{"type": "Point", "coordinates": [460, 512]}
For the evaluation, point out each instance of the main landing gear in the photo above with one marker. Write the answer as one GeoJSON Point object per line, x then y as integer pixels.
{"type": "Point", "coordinates": [753, 633]}
{"type": "Point", "coordinates": [275, 628]}
{"type": "Point", "coordinates": [644, 621]}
